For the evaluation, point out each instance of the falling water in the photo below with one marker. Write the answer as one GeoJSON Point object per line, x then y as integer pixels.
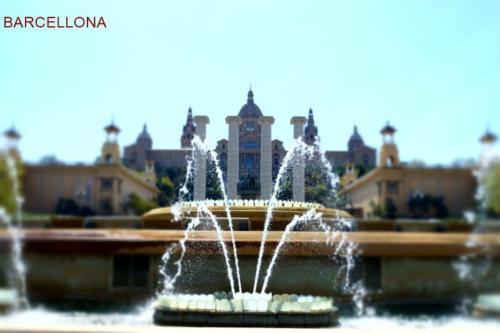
{"type": "Point", "coordinates": [200, 151]}
{"type": "Point", "coordinates": [14, 228]}
{"type": "Point", "coordinates": [183, 191]}
{"type": "Point", "coordinates": [298, 147]}
{"type": "Point", "coordinates": [213, 155]}
{"type": "Point", "coordinates": [170, 282]}
{"type": "Point", "coordinates": [203, 208]}
{"type": "Point", "coordinates": [200, 146]}
{"type": "Point", "coordinates": [297, 220]}
{"type": "Point", "coordinates": [490, 158]}
{"type": "Point", "coordinates": [470, 267]}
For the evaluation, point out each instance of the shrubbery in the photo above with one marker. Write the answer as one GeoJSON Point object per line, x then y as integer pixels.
{"type": "Point", "coordinates": [138, 205]}
{"type": "Point", "coordinates": [68, 206]}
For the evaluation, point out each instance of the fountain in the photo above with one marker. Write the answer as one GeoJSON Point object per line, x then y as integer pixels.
{"type": "Point", "coordinates": [487, 305]}
{"type": "Point", "coordinates": [16, 297]}
{"type": "Point", "coordinates": [237, 307]}
{"type": "Point", "coordinates": [253, 262]}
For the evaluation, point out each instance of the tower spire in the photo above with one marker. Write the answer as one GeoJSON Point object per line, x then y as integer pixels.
{"type": "Point", "coordinates": [188, 130]}
{"type": "Point", "coordinates": [250, 95]}
{"type": "Point", "coordinates": [189, 119]}
{"type": "Point", "coordinates": [310, 118]}
{"type": "Point", "coordinates": [310, 131]}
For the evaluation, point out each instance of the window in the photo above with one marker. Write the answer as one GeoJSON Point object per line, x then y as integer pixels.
{"type": "Point", "coordinates": [366, 159]}
{"type": "Point", "coordinates": [133, 158]}
{"type": "Point", "coordinates": [106, 184]}
{"type": "Point", "coordinates": [276, 159]}
{"type": "Point", "coordinates": [106, 207]}
{"type": "Point", "coordinates": [249, 162]}
{"type": "Point", "coordinates": [131, 271]}
{"type": "Point", "coordinates": [390, 162]}
{"type": "Point", "coordinates": [393, 187]}
{"type": "Point", "coordinates": [250, 126]}
{"type": "Point", "coordinates": [250, 144]}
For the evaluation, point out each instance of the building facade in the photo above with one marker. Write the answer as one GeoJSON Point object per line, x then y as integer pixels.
{"type": "Point", "coordinates": [104, 187]}
{"type": "Point", "coordinates": [249, 135]}
{"type": "Point", "coordinates": [393, 183]}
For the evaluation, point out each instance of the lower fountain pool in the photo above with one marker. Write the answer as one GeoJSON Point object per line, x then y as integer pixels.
{"type": "Point", "coordinates": [143, 316]}
{"type": "Point", "coordinates": [245, 309]}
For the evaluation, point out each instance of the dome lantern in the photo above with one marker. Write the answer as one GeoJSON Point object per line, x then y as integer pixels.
{"type": "Point", "coordinates": [388, 133]}
{"type": "Point", "coordinates": [250, 109]}
{"type": "Point", "coordinates": [488, 138]}
{"type": "Point", "coordinates": [112, 131]}
{"type": "Point", "coordinates": [12, 134]}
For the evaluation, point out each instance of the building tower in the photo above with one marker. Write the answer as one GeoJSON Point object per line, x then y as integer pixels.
{"type": "Point", "coordinates": [149, 172]}
{"type": "Point", "coordinates": [110, 152]}
{"type": "Point", "coordinates": [249, 152]}
{"type": "Point", "coordinates": [12, 137]}
{"type": "Point", "coordinates": [188, 131]}
{"type": "Point", "coordinates": [232, 159]}
{"type": "Point", "coordinates": [200, 162]}
{"type": "Point", "coordinates": [311, 130]}
{"type": "Point", "coordinates": [298, 167]}
{"type": "Point", "coordinates": [144, 139]}
{"type": "Point", "coordinates": [266, 157]}
{"type": "Point", "coordinates": [389, 154]}
{"type": "Point", "coordinates": [350, 176]}
{"type": "Point", "coordinates": [355, 141]}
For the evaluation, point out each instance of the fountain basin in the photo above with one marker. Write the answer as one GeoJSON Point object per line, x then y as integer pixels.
{"type": "Point", "coordinates": [245, 309]}
{"type": "Point", "coordinates": [254, 212]}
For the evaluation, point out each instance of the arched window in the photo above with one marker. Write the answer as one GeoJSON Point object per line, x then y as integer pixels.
{"type": "Point", "coordinates": [390, 161]}
{"type": "Point", "coordinates": [250, 144]}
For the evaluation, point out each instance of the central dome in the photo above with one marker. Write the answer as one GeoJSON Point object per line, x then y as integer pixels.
{"type": "Point", "coordinates": [250, 109]}
{"type": "Point", "coordinates": [144, 139]}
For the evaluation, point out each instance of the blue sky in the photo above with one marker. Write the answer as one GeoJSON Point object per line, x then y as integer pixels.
{"type": "Point", "coordinates": [432, 68]}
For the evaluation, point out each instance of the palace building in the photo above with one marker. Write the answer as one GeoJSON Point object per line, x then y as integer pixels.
{"type": "Point", "coordinates": [409, 191]}
{"type": "Point", "coordinates": [249, 121]}
{"type": "Point", "coordinates": [103, 187]}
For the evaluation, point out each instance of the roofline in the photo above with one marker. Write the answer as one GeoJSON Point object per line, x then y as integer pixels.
{"type": "Point", "coordinates": [121, 168]}
{"type": "Point", "coordinates": [378, 170]}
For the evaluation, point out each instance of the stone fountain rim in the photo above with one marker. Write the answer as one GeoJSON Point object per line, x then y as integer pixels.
{"type": "Point", "coordinates": [329, 212]}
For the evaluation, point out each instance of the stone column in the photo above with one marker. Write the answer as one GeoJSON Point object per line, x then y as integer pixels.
{"type": "Point", "coordinates": [298, 161]}
{"type": "Point", "coordinates": [200, 171]}
{"type": "Point", "coordinates": [233, 156]}
{"type": "Point", "coordinates": [266, 164]}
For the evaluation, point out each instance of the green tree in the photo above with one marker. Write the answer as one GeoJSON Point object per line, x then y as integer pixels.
{"type": "Point", "coordinates": [7, 195]}
{"type": "Point", "coordinates": [214, 190]}
{"type": "Point", "coordinates": [390, 209]}
{"type": "Point", "coordinates": [387, 211]}
{"type": "Point", "coordinates": [67, 206]}
{"type": "Point", "coordinates": [422, 205]}
{"type": "Point", "coordinates": [318, 185]}
{"type": "Point", "coordinates": [377, 210]}
{"type": "Point", "coordinates": [138, 205]}
{"type": "Point", "coordinates": [167, 191]}
{"type": "Point", "coordinates": [492, 190]}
